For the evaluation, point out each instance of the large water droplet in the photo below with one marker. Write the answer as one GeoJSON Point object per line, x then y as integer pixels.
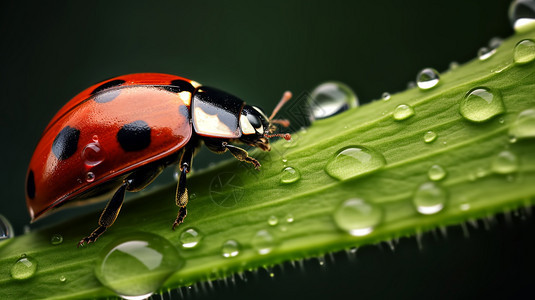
{"type": "Point", "coordinates": [481, 104]}
{"type": "Point", "coordinates": [524, 52]}
{"type": "Point", "coordinates": [230, 248]}
{"type": "Point", "coordinates": [263, 242]}
{"type": "Point", "coordinates": [6, 229]}
{"type": "Point", "coordinates": [24, 268]}
{"type": "Point", "coordinates": [92, 154]}
{"type": "Point", "coordinates": [429, 198]}
{"type": "Point", "coordinates": [190, 238]}
{"type": "Point", "coordinates": [427, 78]}
{"type": "Point", "coordinates": [430, 136]}
{"type": "Point", "coordinates": [402, 112]}
{"type": "Point", "coordinates": [522, 14]}
{"type": "Point", "coordinates": [354, 161]}
{"type": "Point", "coordinates": [331, 98]}
{"type": "Point", "coordinates": [524, 126]}
{"type": "Point", "coordinates": [505, 162]}
{"type": "Point", "coordinates": [358, 217]}
{"type": "Point", "coordinates": [289, 175]}
{"type": "Point", "coordinates": [436, 173]}
{"type": "Point", "coordinates": [56, 239]}
{"type": "Point", "coordinates": [136, 266]}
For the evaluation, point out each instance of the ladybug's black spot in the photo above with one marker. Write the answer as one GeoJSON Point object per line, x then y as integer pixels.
{"type": "Point", "coordinates": [107, 85]}
{"type": "Point", "coordinates": [107, 96]}
{"type": "Point", "coordinates": [134, 136]}
{"type": "Point", "coordinates": [178, 86]}
{"type": "Point", "coordinates": [30, 185]}
{"type": "Point", "coordinates": [66, 142]}
{"type": "Point", "coordinates": [183, 110]}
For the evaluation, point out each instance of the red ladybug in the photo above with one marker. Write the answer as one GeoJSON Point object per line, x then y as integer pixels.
{"type": "Point", "coordinates": [120, 134]}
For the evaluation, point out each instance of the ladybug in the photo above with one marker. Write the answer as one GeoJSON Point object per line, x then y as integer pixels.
{"type": "Point", "coordinates": [119, 135]}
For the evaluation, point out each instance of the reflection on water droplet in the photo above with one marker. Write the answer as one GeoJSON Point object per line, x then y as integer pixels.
{"type": "Point", "coordinates": [386, 96]}
{"type": "Point", "coordinates": [522, 14]}
{"type": "Point", "coordinates": [263, 242]}
{"type": "Point", "coordinates": [62, 278]}
{"type": "Point", "coordinates": [23, 268]}
{"type": "Point", "coordinates": [273, 221]}
{"type": "Point", "coordinates": [402, 112]}
{"type": "Point", "coordinates": [485, 53]}
{"type": "Point", "coordinates": [137, 265]}
{"type": "Point", "coordinates": [523, 127]}
{"type": "Point", "coordinates": [524, 52]}
{"type": "Point", "coordinates": [289, 175]}
{"type": "Point", "coordinates": [289, 218]}
{"type": "Point", "coordinates": [92, 154]}
{"type": "Point", "coordinates": [436, 173]}
{"type": "Point", "coordinates": [427, 78]}
{"type": "Point", "coordinates": [190, 237]}
{"type": "Point", "coordinates": [481, 104]}
{"type": "Point", "coordinates": [354, 161]}
{"type": "Point", "coordinates": [56, 239]}
{"type": "Point", "coordinates": [6, 229]}
{"type": "Point", "coordinates": [230, 248]}
{"type": "Point", "coordinates": [505, 162]}
{"type": "Point", "coordinates": [90, 177]}
{"type": "Point", "coordinates": [429, 198]}
{"type": "Point", "coordinates": [331, 98]}
{"type": "Point", "coordinates": [358, 217]}
{"type": "Point", "coordinates": [430, 136]}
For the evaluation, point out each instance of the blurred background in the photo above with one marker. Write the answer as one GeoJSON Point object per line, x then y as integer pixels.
{"type": "Point", "coordinates": [257, 49]}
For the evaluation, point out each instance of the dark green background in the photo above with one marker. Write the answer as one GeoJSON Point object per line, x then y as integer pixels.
{"type": "Point", "coordinates": [50, 51]}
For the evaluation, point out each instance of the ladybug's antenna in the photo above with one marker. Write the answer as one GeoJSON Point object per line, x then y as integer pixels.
{"type": "Point", "coordinates": [285, 98]}
{"type": "Point", "coordinates": [286, 136]}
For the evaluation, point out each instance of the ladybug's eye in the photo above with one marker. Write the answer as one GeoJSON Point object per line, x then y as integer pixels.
{"type": "Point", "coordinates": [254, 120]}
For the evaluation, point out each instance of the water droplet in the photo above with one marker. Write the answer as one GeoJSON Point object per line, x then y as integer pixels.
{"type": "Point", "coordinates": [354, 161]}
{"type": "Point", "coordinates": [56, 239]}
{"type": "Point", "coordinates": [62, 278]}
{"type": "Point", "coordinates": [485, 53]}
{"type": "Point", "coordinates": [289, 218]}
{"type": "Point", "coordinates": [230, 248]}
{"type": "Point", "coordinates": [430, 136]}
{"type": "Point", "coordinates": [24, 268]}
{"type": "Point", "coordinates": [411, 85]}
{"type": "Point", "coordinates": [386, 96]}
{"type": "Point", "coordinates": [402, 112]}
{"type": "Point", "coordinates": [505, 162]}
{"type": "Point", "coordinates": [358, 217]}
{"type": "Point", "coordinates": [90, 177]}
{"type": "Point", "coordinates": [290, 143]}
{"type": "Point", "coordinates": [501, 120]}
{"type": "Point", "coordinates": [495, 42]}
{"type": "Point", "coordinates": [331, 98]}
{"type": "Point", "coordinates": [481, 104]}
{"type": "Point", "coordinates": [136, 266]}
{"type": "Point", "coordinates": [464, 206]}
{"type": "Point", "coordinates": [289, 175]}
{"type": "Point", "coordinates": [190, 237]}
{"type": "Point", "coordinates": [429, 198]}
{"type": "Point", "coordinates": [436, 173]}
{"type": "Point", "coordinates": [6, 229]}
{"type": "Point", "coordinates": [522, 14]}
{"type": "Point", "coordinates": [427, 78]}
{"type": "Point", "coordinates": [92, 154]}
{"type": "Point", "coordinates": [273, 221]}
{"type": "Point", "coordinates": [454, 65]}
{"type": "Point", "coordinates": [263, 242]}
{"type": "Point", "coordinates": [524, 52]}
{"type": "Point", "coordinates": [524, 126]}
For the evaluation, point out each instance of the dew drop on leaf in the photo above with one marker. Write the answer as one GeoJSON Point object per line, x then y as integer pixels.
{"type": "Point", "coordinates": [505, 162]}
{"type": "Point", "coordinates": [135, 266]}
{"type": "Point", "coordinates": [230, 248]}
{"type": "Point", "coordinates": [273, 221]}
{"type": "Point", "coordinates": [6, 229]}
{"type": "Point", "coordinates": [354, 161]}
{"type": "Point", "coordinates": [263, 242]}
{"type": "Point", "coordinates": [481, 104]}
{"type": "Point", "coordinates": [386, 96]}
{"type": "Point", "coordinates": [402, 112]}
{"type": "Point", "coordinates": [427, 78]}
{"type": "Point", "coordinates": [436, 173]}
{"type": "Point", "coordinates": [524, 52]}
{"type": "Point", "coordinates": [522, 14]}
{"type": "Point", "coordinates": [56, 239]}
{"type": "Point", "coordinates": [23, 268]}
{"type": "Point", "coordinates": [430, 136]}
{"type": "Point", "coordinates": [289, 175]}
{"type": "Point", "coordinates": [523, 126]}
{"type": "Point", "coordinates": [429, 198]}
{"type": "Point", "coordinates": [190, 238]}
{"type": "Point", "coordinates": [289, 218]}
{"type": "Point", "coordinates": [331, 98]}
{"type": "Point", "coordinates": [358, 217]}
{"type": "Point", "coordinates": [485, 53]}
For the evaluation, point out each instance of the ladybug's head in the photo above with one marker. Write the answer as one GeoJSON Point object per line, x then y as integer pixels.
{"type": "Point", "coordinates": [256, 127]}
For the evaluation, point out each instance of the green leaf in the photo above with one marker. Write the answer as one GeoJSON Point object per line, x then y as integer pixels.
{"type": "Point", "coordinates": [485, 174]}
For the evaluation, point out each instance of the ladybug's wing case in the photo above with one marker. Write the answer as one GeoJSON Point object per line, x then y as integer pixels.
{"type": "Point", "coordinates": [107, 131]}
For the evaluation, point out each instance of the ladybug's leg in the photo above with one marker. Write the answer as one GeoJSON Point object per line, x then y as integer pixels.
{"type": "Point", "coordinates": [241, 154]}
{"type": "Point", "coordinates": [108, 216]}
{"type": "Point", "coordinates": [181, 189]}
